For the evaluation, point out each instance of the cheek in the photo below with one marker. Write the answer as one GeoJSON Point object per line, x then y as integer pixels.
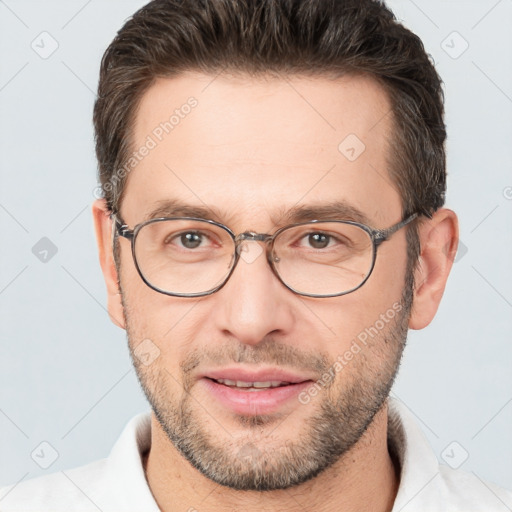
{"type": "Point", "coordinates": [386, 283]}
{"type": "Point", "coordinates": [172, 325]}
{"type": "Point", "coordinates": [171, 322]}
{"type": "Point", "coordinates": [150, 314]}
{"type": "Point", "coordinates": [377, 301]}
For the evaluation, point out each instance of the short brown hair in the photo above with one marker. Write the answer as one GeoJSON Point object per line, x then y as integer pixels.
{"type": "Point", "coordinates": [302, 37]}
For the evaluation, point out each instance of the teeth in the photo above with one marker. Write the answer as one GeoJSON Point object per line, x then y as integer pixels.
{"type": "Point", "coordinates": [271, 384]}
{"type": "Point", "coordinates": [242, 384]}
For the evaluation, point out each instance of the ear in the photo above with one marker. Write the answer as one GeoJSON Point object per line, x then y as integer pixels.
{"type": "Point", "coordinates": [103, 227]}
{"type": "Point", "coordinates": [439, 238]}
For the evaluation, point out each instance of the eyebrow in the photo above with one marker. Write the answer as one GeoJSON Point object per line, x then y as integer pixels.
{"type": "Point", "coordinates": [176, 208]}
{"type": "Point", "coordinates": [336, 210]}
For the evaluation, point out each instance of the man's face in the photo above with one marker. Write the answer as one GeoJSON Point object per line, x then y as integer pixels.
{"type": "Point", "coordinates": [249, 152]}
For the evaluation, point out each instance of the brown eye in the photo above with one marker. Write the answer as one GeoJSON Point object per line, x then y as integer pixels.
{"type": "Point", "coordinates": [319, 240]}
{"type": "Point", "coordinates": [191, 240]}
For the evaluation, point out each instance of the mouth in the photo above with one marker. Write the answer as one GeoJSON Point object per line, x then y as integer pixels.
{"type": "Point", "coordinates": [252, 386]}
{"type": "Point", "coordinates": [260, 392]}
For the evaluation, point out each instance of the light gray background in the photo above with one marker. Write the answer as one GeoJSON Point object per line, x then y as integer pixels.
{"type": "Point", "coordinates": [66, 377]}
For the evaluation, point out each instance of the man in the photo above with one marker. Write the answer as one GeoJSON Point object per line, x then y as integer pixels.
{"type": "Point", "coordinates": [273, 223]}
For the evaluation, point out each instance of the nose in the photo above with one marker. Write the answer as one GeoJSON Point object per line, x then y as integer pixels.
{"type": "Point", "coordinates": [254, 303]}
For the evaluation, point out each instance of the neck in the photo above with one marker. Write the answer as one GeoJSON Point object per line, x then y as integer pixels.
{"type": "Point", "coordinates": [365, 478]}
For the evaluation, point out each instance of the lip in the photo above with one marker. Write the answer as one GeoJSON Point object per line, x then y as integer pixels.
{"type": "Point", "coordinates": [258, 375]}
{"type": "Point", "coordinates": [254, 402]}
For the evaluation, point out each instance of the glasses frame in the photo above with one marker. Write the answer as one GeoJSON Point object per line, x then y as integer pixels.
{"type": "Point", "coordinates": [377, 236]}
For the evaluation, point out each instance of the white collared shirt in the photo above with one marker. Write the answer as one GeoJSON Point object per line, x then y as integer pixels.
{"type": "Point", "coordinates": [118, 483]}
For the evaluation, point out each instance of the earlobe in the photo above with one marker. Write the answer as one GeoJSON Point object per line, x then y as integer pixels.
{"type": "Point", "coordinates": [438, 241]}
{"type": "Point", "coordinates": [103, 228]}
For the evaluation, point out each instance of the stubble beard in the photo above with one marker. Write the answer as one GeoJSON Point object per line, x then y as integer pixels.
{"type": "Point", "coordinates": [258, 460]}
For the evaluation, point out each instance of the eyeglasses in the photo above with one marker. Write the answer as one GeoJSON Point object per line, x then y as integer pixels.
{"type": "Point", "coordinates": [193, 257]}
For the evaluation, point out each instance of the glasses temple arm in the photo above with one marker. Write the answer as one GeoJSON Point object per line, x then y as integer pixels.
{"type": "Point", "coordinates": [384, 234]}
{"type": "Point", "coordinates": [119, 228]}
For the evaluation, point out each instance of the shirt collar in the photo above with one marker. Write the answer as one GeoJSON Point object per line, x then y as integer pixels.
{"type": "Point", "coordinates": [406, 442]}
{"type": "Point", "coordinates": [129, 489]}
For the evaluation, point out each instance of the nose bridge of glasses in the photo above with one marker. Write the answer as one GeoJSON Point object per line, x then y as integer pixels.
{"type": "Point", "coordinates": [250, 253]}
{"type": "Point", "coordinates": [252, 237]}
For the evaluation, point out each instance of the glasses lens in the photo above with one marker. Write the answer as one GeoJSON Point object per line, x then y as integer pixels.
{"type": "Point", "coordinates": [182, 256]}
{"type": "Point", "coordinates": [323, 258]}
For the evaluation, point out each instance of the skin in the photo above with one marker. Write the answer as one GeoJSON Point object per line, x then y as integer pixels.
{"type": "Point", "coordinates": [250, 150]}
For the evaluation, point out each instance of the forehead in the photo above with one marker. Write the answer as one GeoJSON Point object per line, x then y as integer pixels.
{"type": "Point", "coordinates": [248, 147]}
